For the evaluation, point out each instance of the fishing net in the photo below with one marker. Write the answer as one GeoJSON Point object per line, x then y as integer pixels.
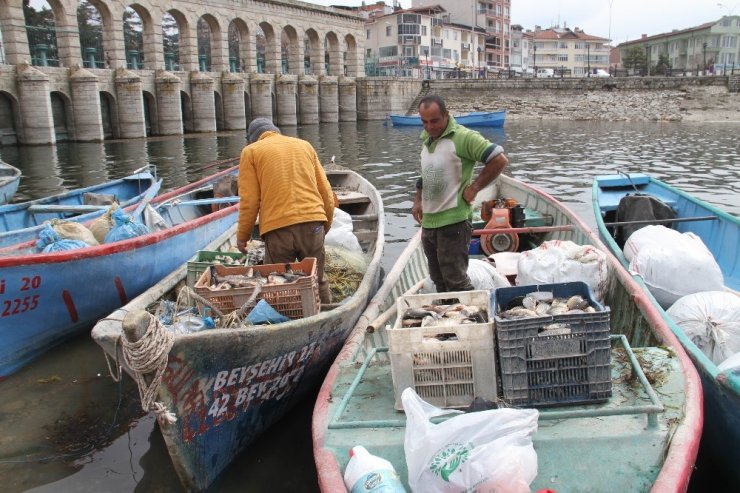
{"type": "Point", "coordinates": [343, 270]}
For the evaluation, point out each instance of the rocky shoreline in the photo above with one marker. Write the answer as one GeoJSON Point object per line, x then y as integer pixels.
{"type": "Point", "coordinates": [689, 104]}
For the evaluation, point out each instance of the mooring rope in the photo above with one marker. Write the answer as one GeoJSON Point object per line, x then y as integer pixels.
{"type": "Point", "coordinates": [149, 355]}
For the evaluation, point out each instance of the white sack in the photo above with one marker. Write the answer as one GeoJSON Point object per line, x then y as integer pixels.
{"type": "Point", "coordinates": [711, 320]}
{"type": "Point", "coordinates": [672, 264]}
{"type": "Point", "coordinates": [482, 275]}
{"type": "Point", "coordinates": [341, 234]}
{"type": "Point", "coordinates": [730, 363]}
{"type": "Point", "coordinates": [558, 261]}
{"type": "Point", "coordinates": [483, 451]}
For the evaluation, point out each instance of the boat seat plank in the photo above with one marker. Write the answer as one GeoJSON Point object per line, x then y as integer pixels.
{"type": "Point", "coordinates": [352, 197]}
{"type": "Point", "coordinates": [57, 208]}
{"type": "Point", "coordinates": [609, 201]}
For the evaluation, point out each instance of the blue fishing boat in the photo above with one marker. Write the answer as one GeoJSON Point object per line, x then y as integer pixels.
{"type": "Point", "coordinates": [47, 297]}
{"type": "Point", "coordinates": [22, 221]}
{"type": "Point", "coordinates": [640, 439]}
{"type": "Point", "coordinates": [274, 366]}
{"type": "Point", "coordinates": [720, 232]}
{"type": "Point", "coordinates": [10, 177]}
{"type": "Point", "coordinates": [474, 119]}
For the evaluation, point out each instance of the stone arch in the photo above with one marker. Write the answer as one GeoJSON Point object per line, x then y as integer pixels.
{"type": "Point", "coordinates": [96, 36]}
{"type": "Point", "coordinates": [174, 23]}
{"type": "Point", "coordinates": [61, 111]}
{"type": "Point", "coordinates": [9, 119]}
{"type": "Point", "coordinates": [109, 115]}
{"type": "Point", "coordinates": [45, 42]}
{"type": "Point", "coordinates": [332, 54]}
{"type": "Point", "coordinates": [351, 57]}
{"type": "Point", "coordinates": [290, 51]}
{"type": "Point", "coordinates": [149, 47]}
{"type": "Point", "coordinates": [313, 52]}
{"type": "Point", "coordinates": [151, 117]}
{"type": "Point", "coordinates": [214, 47]}
{"type": "Point", "coordinates": [271, 48]}
{"type": "Point", "coordinates": [240, 47]}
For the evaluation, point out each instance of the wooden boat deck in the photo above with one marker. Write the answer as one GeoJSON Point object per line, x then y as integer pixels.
{"type": "Point", "coordinates": [626, 425]}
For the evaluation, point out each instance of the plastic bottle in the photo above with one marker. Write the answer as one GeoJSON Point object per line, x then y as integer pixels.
{"type": "Point", "coordinates": [368, 473]}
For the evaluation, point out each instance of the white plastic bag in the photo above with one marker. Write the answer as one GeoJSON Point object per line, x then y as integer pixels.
{"type": "Point", "coordinates": [341, 234]}
{"type": "Point", "coordinates": [486, 451]}
{"type": "Point", "coordinates": [558, 261]}
{"type": "Point", "coordinates": [482, 274]}
{"type": "Point", "coordinates": [711, 320]}
{"type": "Point", "coordinates": [672, 264]}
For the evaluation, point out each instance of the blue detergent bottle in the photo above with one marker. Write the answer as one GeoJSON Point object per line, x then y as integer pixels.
{"type": "Point", "coordinates": [368, 473]}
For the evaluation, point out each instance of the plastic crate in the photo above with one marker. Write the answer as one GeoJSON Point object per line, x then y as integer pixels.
{"type": "Point", "coordinates": [204, 259]}
{"type": "Point", "coordinates": [446, 373]}
{"type": "Point", "coordinates": [556, 369]}
{"type": "Point", "coordinates": [297, 299]}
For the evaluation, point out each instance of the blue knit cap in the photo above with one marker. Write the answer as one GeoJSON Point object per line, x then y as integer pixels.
{"type": "Point", "coordinates": [258, 126]}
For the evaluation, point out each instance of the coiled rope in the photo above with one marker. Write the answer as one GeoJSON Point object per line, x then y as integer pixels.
{"type": "Point", "coordinates": [149, 355]}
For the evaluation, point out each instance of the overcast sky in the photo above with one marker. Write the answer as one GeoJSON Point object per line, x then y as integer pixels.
{"type": "Point", "coordinates": [629, 18]}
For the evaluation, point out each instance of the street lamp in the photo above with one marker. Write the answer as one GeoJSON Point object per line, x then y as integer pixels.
{"type": "Point", "coordinates": [479, 51]}
{"type": "Point", "coordinates": [426, 55]}
{"type": "Point", "coordinates": [704, 67]}
{"type": "Point", "coordinates": [727, 8]}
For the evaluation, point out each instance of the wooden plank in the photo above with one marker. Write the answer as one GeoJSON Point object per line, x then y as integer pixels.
{"type": "Point", "coordinates": [352, 197]}
{"type": "Point", "coordinates": [56, 208]}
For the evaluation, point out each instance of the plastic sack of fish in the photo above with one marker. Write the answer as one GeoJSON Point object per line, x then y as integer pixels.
{"type": "Point", "coordinates": [480, 451]}
{"type": "Point", "coordinates": [125, 227]}
{"type": "Point", "coordinates": [70, 230]}
{"type": "Point", "coordinates": [711, 319]}
{"type": "Point", "coordinates": [341, 234]}
{"type": "Point", "coordinates": [558, 261]}
{"type": "Point", "coordinates": [482, 274]}
{"type": "Point", "coordinates": [50, 241]}
{"type": "Point", "coordinates": [103, 224]}
{"type": "Point", "coordinates": [672, 264]}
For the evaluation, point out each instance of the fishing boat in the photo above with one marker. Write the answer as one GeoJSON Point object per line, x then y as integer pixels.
{"type": "Point", "coordinates": [22, 221]}
{"type": "Point", "coordinates": [47, 297]}
{"type": "Point", "coordinates": [267, 368]}
{"type": "Point", "coordinates": [720, 232]}
{"type": "Point", "coordinates": [474, 119]}
{"type": "Point", "coordinates": [10, 177]}
{"type": "Point", "coordinates": [644, 437]}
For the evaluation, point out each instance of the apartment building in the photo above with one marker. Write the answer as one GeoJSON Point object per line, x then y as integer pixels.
{"type": "Point", "coordinates": [570, 52]}
{"type": "Point", "coordinates": [711, 47]}
{"type": "Point", "coordinates": [422, 42]}
{"type": "Point", "coordinates": [493, 16]}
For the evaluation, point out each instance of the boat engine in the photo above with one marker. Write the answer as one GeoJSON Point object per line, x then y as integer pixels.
{"type": "Point", "coordinates": [501, 214]}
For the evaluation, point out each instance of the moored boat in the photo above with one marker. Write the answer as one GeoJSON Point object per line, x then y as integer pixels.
{"type": "Point", "coordinates": [47, 297]}
{"type": "Point", "coordinates": [631, 442]}
{"type": "Point", "coordinates": [10, 178]}
{"type": "Point", "coordinates": [720, 232]}
{"type": "Point", "coordinates": [473, 119]}
{"type": "Point", "coordinates": [22, 221]}
{"type": "Point", "coordinates": [226, 386]}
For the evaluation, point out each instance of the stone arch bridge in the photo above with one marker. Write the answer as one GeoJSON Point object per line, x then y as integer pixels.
{"type": "Point", "coordinates": [290, 60]}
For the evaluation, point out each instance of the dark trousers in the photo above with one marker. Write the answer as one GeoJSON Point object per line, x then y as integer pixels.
{"type": "Point", "coordinates": [296, 242]}
{"type": "Point", "coordinates": [446, 249]}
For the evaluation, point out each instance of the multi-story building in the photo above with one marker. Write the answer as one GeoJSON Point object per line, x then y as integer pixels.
{"type": "Point", "coordinates": [568, 52]}
{"type": "Point", "coordinates": [712, 46]}
{"type": "Point", "coordinates": [494, 16]}
{"type": "Point", "coordinates": [520, 62]}
{"type": "Point", "coordinates": [423, 43]}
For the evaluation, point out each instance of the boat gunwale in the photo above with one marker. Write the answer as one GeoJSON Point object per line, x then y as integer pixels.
{"type": "Point", "coordinates": [683, 445]}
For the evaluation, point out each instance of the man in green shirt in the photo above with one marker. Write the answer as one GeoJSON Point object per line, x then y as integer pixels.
{"type": "Point", "coordinates": [446, 190]}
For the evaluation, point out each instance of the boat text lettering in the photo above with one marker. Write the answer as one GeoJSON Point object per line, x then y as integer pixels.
{"type": "Point", "coordinates": [21, 304]}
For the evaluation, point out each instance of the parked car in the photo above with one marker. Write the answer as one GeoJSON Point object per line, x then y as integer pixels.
{"type": "Point", "coordinates": [600, 72]}
{"type": "Point", "coordinates": [545, 72]}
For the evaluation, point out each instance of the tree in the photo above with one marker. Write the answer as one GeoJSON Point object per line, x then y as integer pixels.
{"type": "Point", "coordinates": [663, 67]}
{"type": "Point", "coordinates": [635, 58]}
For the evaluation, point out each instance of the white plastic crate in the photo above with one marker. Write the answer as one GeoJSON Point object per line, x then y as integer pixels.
{"type": "Point", "coordinates": [446, 373]}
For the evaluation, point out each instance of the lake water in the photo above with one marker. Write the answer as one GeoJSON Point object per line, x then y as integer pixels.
{"type": "Point", "coordinates": [66, 426]}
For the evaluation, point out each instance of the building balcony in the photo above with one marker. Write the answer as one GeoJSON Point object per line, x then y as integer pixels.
{"type": "Point", "coordinates": [465, 46]}
{"type": "Point", "coordinates": [436, 41]}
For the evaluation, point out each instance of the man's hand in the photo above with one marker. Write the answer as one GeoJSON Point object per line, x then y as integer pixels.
{"type": "Point", "coordinates": [470, 192]}
{"type": "Point", "coordinates": [416, 211]}
{"type": "Point", "coordinates": [242, 246]}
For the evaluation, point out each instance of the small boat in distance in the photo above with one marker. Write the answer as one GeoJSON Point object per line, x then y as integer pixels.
{"type": "Point", "coordinates": [273, 366]}
{"type": "Point", "coordinates": [22, 221]}
{"type": "Point", "coordinates": [721, 235]}
{"type": "Point", "coordinates": [10, 177]}
{"type": "Point", "coordinates": [643, 438]}
{"type": "Point", "coordinates": [474, 119]}
{"type": "Point", "coordinates": [47, 297]}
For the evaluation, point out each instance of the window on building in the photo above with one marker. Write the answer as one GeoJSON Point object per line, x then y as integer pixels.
{"type": "Point", "coordinates": [454, 35]}
{"type": "Point", "coordinates": [447, 53]}
{"type": "Point", "coordinates": [563, 45]}
{"type": "Point", "coordinates": [562, 58]}
{"type": "Point", "coordinates": [388, 30]}
{"type": "Point", "coordinates": [436, 51]}
{"type": "Point", "coordinates": [388, 51]}
{"type": "Point", "coordinates": [726, 22]}
{"type": "Point", "coordinates": [367, 34]}
{"type": "Point", "coordinates": [455, 56]}
{"type": "Point", "coordinates": [506, 12]}
{"type": "Point", "coordinates": [423, 30]}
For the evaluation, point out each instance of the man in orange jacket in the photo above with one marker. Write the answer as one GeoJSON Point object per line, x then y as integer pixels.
{"type": "Point", "coordinates": [282, 179]}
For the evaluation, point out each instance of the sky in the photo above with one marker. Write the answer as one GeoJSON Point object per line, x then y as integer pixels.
{"type": "Point", "coordinates": [629, 18]}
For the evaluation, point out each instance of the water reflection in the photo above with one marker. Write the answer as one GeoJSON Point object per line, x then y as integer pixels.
{"type": "Point", "coordinates": [560, 157]}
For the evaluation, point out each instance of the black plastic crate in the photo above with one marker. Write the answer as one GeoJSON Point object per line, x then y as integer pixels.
{"type": "Point", "coordinates": [553, 369]}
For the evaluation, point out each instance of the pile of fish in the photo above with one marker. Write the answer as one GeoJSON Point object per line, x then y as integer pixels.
{"type": "Point", "coordinates": [443, 315]}
{"type": "Point", "coordinates": [542, 304]}
{"type": "Point", "coordinates": [251, 278]}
